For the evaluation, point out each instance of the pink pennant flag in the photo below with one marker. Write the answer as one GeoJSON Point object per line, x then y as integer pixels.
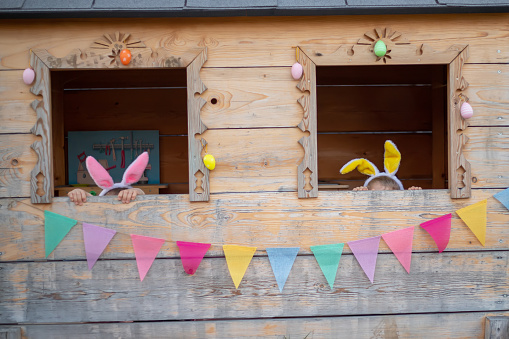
{"type": "Point", "coordinates": [96, 239]}
{"type": "Point", "coordinates": [400, 243]}
{"type": "Point", "coordinates": [366, 252]}
{"type": "Point", "coordinates": [192, 254]}
{"type": "Point", "coordinates": [440, 230]}
{"type": "Point", "coordinates": [145, 249]}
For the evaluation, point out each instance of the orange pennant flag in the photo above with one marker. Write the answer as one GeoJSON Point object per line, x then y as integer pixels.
{"type": "Point", "coordinates": [475, 218]}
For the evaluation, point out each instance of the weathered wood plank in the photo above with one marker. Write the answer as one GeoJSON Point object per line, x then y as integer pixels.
{"type": "Point", "coordinates": [16, 161]}
{"type": "Point", "coordinates": [16, 115]}
{"type": "Point", "coordinates": [234, 42]}
{"type": "Point", "coordinates": [41, 292]}
{"type": "Point", "coordinates": [256, 219]}
{"type": "Point", "coordinates": [442, 325]}
{"type": "Point", "coordinates": [10, 333]}
{"type": "Point", "coordinates": [488, 92]}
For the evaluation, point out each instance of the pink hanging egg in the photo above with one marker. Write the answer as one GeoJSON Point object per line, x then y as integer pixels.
{"type": "Point", "coordinates": [297, 71]}
{"type": "Point", "coordinates": [28, 76]}
{"type": "Point", "coordinates": [466, 110]}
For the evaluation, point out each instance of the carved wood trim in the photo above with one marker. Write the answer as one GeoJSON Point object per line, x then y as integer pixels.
{"type": "Point", "coordinates": [307, 171]}
{"type": "Point", "coordinates": [104, 54]}
{"type": "Point", "coordinates": [41, 178]}
{"type": "Point", "coordinates": [460, 175]}
{"type": "Point", "coordinates": [399, 52]}
{"type": "Point", "coordinates": [198, 174]}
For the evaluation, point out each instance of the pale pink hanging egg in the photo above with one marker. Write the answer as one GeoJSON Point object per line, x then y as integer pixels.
{"type": "Point", "coordinates": [297, 71]}
{"type": "Point", "coordinates": [466, 111]}
{"type": "Point", "coordinates": [28, 76]}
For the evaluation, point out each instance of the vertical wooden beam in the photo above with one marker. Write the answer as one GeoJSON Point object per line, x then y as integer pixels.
{"type": "Point", "coordinates": [497, 327]}
{"type": "Point", "coordinates": [10, 333]}
{"type": "Point", "coordinates": [438, 119]}
{"type": "Point", "coordinates": [198, 174]}
{"type": "Point", "coordinates": [308, 169]}
{"type": "Point", "coordinates": [41, 179]}
{"type": "Point", "coordinates": [460, 175]}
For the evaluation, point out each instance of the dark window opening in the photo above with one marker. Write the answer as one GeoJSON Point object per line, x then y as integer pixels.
{"type": "Point", "coordinates": [113, 100]}
{"type": "Point", "coordinates": [359, 107]}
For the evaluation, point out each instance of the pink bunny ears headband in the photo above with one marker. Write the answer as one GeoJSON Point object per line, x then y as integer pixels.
{"type": "Point", "coordinates": [103, 179]}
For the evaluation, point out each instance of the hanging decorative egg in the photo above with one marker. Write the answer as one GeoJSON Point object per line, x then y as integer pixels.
{"type": "Point", "coordinates": [380, 48]}
{"type": "Point", "coordinates": [209, 161]}
{"type": "Point", "coordinates": [125, 56]}
{"type": "Point", "coordinates": [28, 76]}
{"type": "Point", "coordinates": [297, 71]}
{"type": "Point", "coordinates": [466, 110]}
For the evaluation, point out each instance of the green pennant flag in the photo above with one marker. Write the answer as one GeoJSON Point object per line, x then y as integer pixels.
{"type": "Point", "coordinates": [328, 258]}
{"type": "Point", "coordinates": [56, 227]}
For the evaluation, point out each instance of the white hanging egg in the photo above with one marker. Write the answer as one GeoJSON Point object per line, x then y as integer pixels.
{"type": "Point", "coordinates": [28, 76]}
{"type": "Point", "coordinates": [297, 71]}
{"type": "Point", "coordinates": [466, 110]}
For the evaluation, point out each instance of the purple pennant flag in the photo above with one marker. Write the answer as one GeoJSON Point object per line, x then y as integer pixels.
{"type": "Point", "coordinates": [366, 251]}
{"type": "Point", "coordinates": [96, 239]}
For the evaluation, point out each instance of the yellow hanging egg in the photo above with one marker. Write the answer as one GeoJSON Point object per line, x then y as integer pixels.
{"type": "Point", "coordinates": [209, 161]}
{"type": "Point", "coordinates": [380, 48]}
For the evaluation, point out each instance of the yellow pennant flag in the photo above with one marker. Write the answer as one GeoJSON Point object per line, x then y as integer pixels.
{"type": "Point", "coordinates": [475, 218]}
{"type": "Point", "coordinates": [238, 259]}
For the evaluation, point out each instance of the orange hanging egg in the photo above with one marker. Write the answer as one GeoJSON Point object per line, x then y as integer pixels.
{"type": "Point", "coordinates": [125, 56]}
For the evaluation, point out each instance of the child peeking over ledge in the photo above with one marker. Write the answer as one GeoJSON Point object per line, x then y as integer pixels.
{"type": "Point", "coordinates": [379, 181]}
{"type": "Point", "coordinates": [102, 178]}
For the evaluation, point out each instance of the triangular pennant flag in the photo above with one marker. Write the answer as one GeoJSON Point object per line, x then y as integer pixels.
{"type": "Point", "coordinates": [238, 259]}
{"type": "Point", "coordinates": [400, 243]}
{"type": "Point", "coordinates": [96, 239]}
{"type": "Point", "coordinates": [440, 230]}
{"type": "Point", "coordinates": [366, 252]}
{"type": "Point", "coordinates": [328, 257]}
{"type": "Point", "coordinates": [503, 197]}
{"type": "Point", "coordinates": [281, 259]}
{"type": "Point", "coordinates": [191, 254]}
{"type": "Point", "coordinates": [475, 218]}
{"type": "Point", "coordinates": [145, 250]}
{"type": "Point", "coordinates": [56, 227]}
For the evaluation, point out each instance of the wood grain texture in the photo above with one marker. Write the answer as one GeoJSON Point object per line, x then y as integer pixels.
{"type": "Point", "coordinates": [41, 178]}
{"type": "Point", "coordinates": [255, 41]}
{"type": "Point", "coordinates": [441, 325]}
{"type": "Point", "coordinates": [497, 327]}
{"type": "Point", "coordinates": [488, 92]}
{"type": "Point", "coordinates": [460, 176]}
{"type": "Point", "coordinates": [307, 179]}
{"type": "Point", "coordinates": [43, 292]}
{"type": "Point", "coordinates": [16, 115]}
{"type": "Point", "coordinates": [256, 219]}
{"type": "Point", "coordinates": [10, 333]}
{"type": "Point", "coordinates": [199, 186]}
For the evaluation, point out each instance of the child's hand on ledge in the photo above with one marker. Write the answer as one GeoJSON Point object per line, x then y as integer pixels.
{"type": "Point", "coordinates": [128, 195]}
{"type": "Point", "coordinates": [361, 188]}
{"type": "Point", "coordinates": [78, 196]}
{"type": "Point", "coordinates": [414, 188]}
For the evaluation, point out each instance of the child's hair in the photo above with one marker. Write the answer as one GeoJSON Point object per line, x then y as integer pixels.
{"type": "Point", "coordinates": [115, 191]}
{"type": "Point", "coordinates": [385, 181]}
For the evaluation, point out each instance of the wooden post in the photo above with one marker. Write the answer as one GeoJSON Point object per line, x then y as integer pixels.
{"type": "Point", "coordinates": [308, 169]}
{"type": "Point", "coordinates": [198, 174]}
{"type": "Point", "coordinates": [10, 333]}
{"type": "Point", "coordinates": [460, 176]}
{"type": "Point", "coordinates": [41, 178]}
{"type": "Point", "coordinates": [497, 327]}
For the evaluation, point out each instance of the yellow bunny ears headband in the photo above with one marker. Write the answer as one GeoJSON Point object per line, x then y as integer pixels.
{"type": "Point", "coordinates": [392, 160]}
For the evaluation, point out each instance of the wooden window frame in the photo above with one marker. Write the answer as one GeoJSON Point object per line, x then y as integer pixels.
{"type": "Point", "coordinates": [399, 52]}
{"type": "Point", "coordinates": [104, 54]}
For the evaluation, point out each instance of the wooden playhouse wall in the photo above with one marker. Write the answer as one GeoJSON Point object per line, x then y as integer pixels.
{"type": "Point", "coordinates": [253, 135]}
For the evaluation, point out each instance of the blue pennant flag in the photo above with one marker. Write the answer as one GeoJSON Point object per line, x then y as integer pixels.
{"type": "Point", "coordinates": [281, 260]}
{"type": "Point", "coordinates": [503, 197]}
